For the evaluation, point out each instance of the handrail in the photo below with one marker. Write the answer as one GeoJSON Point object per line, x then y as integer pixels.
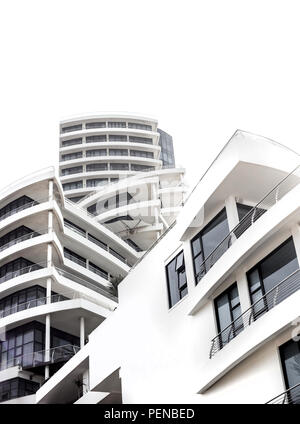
{"type": "Point", "coordinates": [46, 300]}
{"type": "Point", "coordinates": [27, 236]}
{"type": "Point", "coordinates": [105, 292]}
{"type": "Point", "coordinates": [42, 357]}
{"type": "Point", "coordinates": [25, 270]}
{"type": "Point", "coordinates": [271, 198]}
{"type": "Point", "coordinates": [289, 396]}
{"type": "Point", "coordinates": [269, 300]}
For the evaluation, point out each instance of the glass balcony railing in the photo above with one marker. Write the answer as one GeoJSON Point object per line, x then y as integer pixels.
{"type": "Point", "coordinates": [289, 396]}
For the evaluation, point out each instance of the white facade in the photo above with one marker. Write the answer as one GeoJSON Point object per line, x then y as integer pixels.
{"type": "Point", "coordinates": [149, 352]}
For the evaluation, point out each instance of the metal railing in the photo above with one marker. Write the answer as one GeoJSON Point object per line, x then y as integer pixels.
{"type": "Point", "coordinates": [273, 297]}
{"type": "Point", "coordinates": [289, 396]}
{"type": "Point", "coordinates": [97, 242]}
{"type": "Point", "coordinates": [27, 236]}
{"type": "Point", "coordinates": [269, 200]}
{"type": "Point", "coordinates": [22, 271]}
{"type": "Point", "coordinates": [105, 292]}
{"type": "Point", "coordinates": [42, 357]}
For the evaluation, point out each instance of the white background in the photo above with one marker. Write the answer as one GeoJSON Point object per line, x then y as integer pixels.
{"type": "Point", "coordinates": [203, 68]}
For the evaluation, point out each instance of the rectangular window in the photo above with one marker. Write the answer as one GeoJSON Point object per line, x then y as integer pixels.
{"type": "Point", "coordinates": [96, 182]}
{"type": "Point", "coordinates": [116, 124]}
{"type": "Point", "coordinates": [94, 167]}
{"type": "Point", "coordinates": [96, 152]}
{"type": "Point", "coordinates": [74, 257]}
{"type": "Point", "coordinates": [206, 241]}
{"type": "Point", "coordinates": [71, 142]}
{"type": "Point", "coordinates": [71, 128]}
{"type": "Point", "coordinates": [143, 127]}
{"type": "Point", "coordinates": [71, 156]}
{"type": "Point", "coordinates": [176, 279]}
{"type": "Point", "coordinates": [119, 166]}
{"type": "Point", "coordinates": [116, 137]}
{"type": "Point", "coordinates": [228, 314]}
{"type": "Point", "coordinates": [96, 139]}
{"type": "Point", "coordinates": [70, 171]}
{"type": "Point", "coordinates": [290, 361]}
{"type": "Point", "coordinates": [118, 152]}
{"type": "Point", "coordinates": [264, 277]}
{"type": "Point", "coordinates": [141, 154]}
{"type": "Point", "coordinates": [73, 185]}
{"type": "Point", "coordinates": [137, 167]}
{"type": "Point", "coordinates": [91, 125]}
{"type": "Point", "coordinates": [144, 140]}
{"type": "Point", "coordinates": [74, 227]}
{"type": "Point", "coordinates": [97, 270]}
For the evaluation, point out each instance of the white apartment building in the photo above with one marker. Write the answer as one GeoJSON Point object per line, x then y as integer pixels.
{"type": "Point", "coordinates": [210, 313]}
{"type": "Point", "coordinates": [61, 261]}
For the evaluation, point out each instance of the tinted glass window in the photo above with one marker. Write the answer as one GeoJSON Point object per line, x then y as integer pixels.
{"type": "Point", "coordinates": [176, 278]}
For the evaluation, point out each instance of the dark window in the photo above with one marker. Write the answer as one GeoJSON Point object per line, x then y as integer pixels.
{"type": "Point", "coordinates": [96, 139]}
{"type": "Point", "coordinates": [17, 387]}
{"type": "Point", "coordinates": [167, 151]}
{"type": "Point", "coordinates": [120, 199]}
{"type": "Point", "coordinates": [206, 241]}
{"type": "Point", "coordinates": [69, 171]}
{"type": "Point", "coordinates": [10, 237]}
{"type": "Point", "coordinates": [176, 278]}
{"type": "Point", "coordinates": [116, 137]}
{"type": "Point", "coordinates": [15, 268]}
{"type": "Point", "coordinates": [119, 166]}
{"type": "Point", "coordinates": [228, 309]}
{"type": "Point", "coordinates": [96, 182]}
{"type": "Point", "coordinates": [74, 227]}
{"type": "Point", "coordinates": [136, 167]}
{"type": "Point", "coordinates": [141, 154]}
{"type": "Point", "coordinates": [144, 140]}
{"type": "Point", "coordinates": [72, 256]}
{"type": "Point", "coordinates": [97, 241]}
{"type": "Point", "coordinates": [71, 128]}
{"type": "Point", "coordinates": [74, 185]}
{"type": "Point", "coordinates": [132, 244]}
{"type": "Point", "coordinates": [118, 152]}
{"type": "Point", "coordinates": [119, 218]}
{"type": "Point", "coordinates": [16, 205]}
{"type": "Point", "coordinates": [268, 273]}
{"type": "Point", "coordinates": [247, 216]}
{"type": "Point", "coordinates": [93, 167]}
{"type": "Point", "coordinates": [140, 126]}
{"type": "Point", "coordinates": [71, 142]}
{"type": "Point", "coordinates": [290, 360]}
{"type": "Point", "coordinates": [93, 209]}
{"type": "Point", "coordinates": [96, 152]}
{"type": "Point", "coordinates": [116, 124]}
{"type": "Point", "coordinates": [97, 270]}
{"type": "Point", "coordinates": [71, 156]}
{"type": "Point", "coordinates": [90, 125]}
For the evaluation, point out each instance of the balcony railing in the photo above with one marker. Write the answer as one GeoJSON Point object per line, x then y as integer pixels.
{"type": "Point", "coordinates": [273, 297]}
{"type": "Point", "coordinates": [97, 242]}
{"type": "Point", "coordinates": [43, 357]}
{"type": "Point", "coordinates": [22, 271]}
{"type": "Point", "coordinates": [23, 238]}
{"type": "Point", "coordinates": [290, 396]}
{"type": "Point", "coordinates": [276, 194]}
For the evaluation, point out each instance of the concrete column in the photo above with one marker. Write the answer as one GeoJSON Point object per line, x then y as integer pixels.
{"type": "Point", "coordinates": [47, 344]}
{"type": "Point", "coordinates": [244, 295]}
{"type": "Point", "coordinates": [48, 291]}
{"type": "Point", "coordinates": [296, 240]}
{"type": "Point", "coordinates": [82, 332]}
{"type": "Point", "coordinates": [231, 211]}
{"type": "Point", "coordinates": [50, 189]}
{"type": "Point", "coordinates": [86, 381]}
{"type": "Point", "coordinates": [49, 255]}
{"type": "Point", "coordinates": [50, 221]}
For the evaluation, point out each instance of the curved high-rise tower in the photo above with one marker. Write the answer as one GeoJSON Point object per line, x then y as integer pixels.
{"type": "Point", "coordinates": [121, 169]}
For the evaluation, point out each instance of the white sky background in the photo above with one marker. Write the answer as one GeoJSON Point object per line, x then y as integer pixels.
{"type": "Point", "coordinates": [202, 68]}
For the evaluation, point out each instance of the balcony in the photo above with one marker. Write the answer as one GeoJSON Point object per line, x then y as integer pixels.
{"type": "Point", "coordinates": [290, 397]}
{"type": "Point", "coordinates": [273, 297]}
{"type": "Point", "coordinates": [275, 195]}
{"type": "Point", "coordinates": [22, 271]}
{"type": "Point", "coordinates": [18, 240]}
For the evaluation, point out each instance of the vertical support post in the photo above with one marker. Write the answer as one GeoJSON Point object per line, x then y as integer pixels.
{"type": "Point", "coordinates": [296, 240]}
{"type": "Point", "coordinates": [232, 213]}
{"type": "Point", "coordinates": [50, 189]}
{"type": "Point", "coordinates": [47, 345]}
{"type": "Point", "coordinates": [82, 332]}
